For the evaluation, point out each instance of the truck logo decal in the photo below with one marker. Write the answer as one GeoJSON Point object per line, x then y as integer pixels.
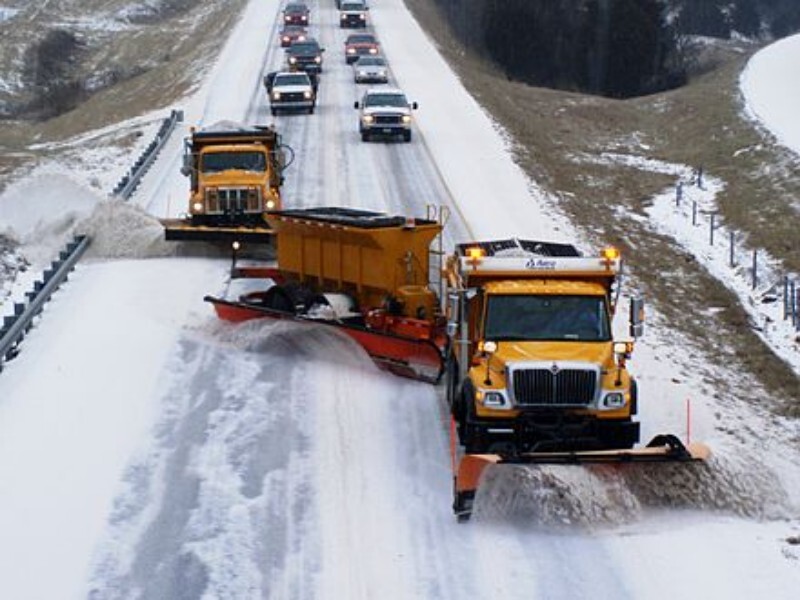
{"type": "Point", "coordinates": [542, 264]}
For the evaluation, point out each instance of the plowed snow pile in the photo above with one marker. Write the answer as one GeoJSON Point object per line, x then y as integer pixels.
{"type": "Point", "coordinates": [613, 494]}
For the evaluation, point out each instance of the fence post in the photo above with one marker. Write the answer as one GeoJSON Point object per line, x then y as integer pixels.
{"type": "Point", "coordinates": [755, 268]}
{"type": "Point", "coordinates": [732, 260]}
{"type": "Point", "coordinates": [678, 193]}
{"type": "Point", "coordinates": [711, 230]}
{"type": "Point", "coordinates": [694, 212]}
{"type": "Point", "coordinates": [786, 299]}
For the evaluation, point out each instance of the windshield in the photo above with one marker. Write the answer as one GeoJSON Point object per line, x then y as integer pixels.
{"type": "Point", "coordinates": [352, 6]}
{"type": "Point", "coordinates": [216, 162]}
{"type": "Point", "coordinates": [368, 61]}
{"type": "Point", "coordinates": [360, 39]}
{"type": "Point", "coordinates": [294, 79]}
{"type": "Point", "coordinates": [385, 100]}
{"type": "Point", "coordinates": [304, 48]}
{"type": "Point", "coordinates": [537, 318]}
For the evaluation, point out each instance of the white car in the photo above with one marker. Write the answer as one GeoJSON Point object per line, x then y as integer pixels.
{"type": "Point", "coordinates": [371, 69]}
{"type": "Point", "coordinates": [290, 91]}
{"type": "Point", "coordinates": [384, 112]}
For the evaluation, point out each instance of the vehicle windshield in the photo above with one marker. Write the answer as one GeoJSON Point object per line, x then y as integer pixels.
{"type": "Point", "coordinates": [352, 6]}
{"type": "Point", "coordinates": [360, 39]}
{"type": "Point", "coordinates": [295, 8]}
{"type": "Point", "coordinates": [216, 162]}
{"type": "Point", "coordinates": [370, 61]}
{"type": "Point", "coordinates": [304, 48]}
{"type": "Point", "coordinates": [385, 100]}
{"type": "Point", "coordinates": [293, 79]}
{"type": "Point", "coordinates": [539, 318]}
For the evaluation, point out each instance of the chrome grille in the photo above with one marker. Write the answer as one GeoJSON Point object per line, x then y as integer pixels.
{"type": "Point", "coordinates": [233, 200]}
{"type": "Point", "coordinates": [388, 119]}
{"type": "Point", "coordinates": [554, 387]}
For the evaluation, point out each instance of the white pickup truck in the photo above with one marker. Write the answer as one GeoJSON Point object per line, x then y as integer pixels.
{"type": "Point", "coordinates": [291, 91]}
{"type": "Point", "coordinates": [385, 112]}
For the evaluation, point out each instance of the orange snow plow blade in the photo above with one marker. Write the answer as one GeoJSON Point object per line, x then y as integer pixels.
{"type": "Point", "coordinates": [662, 448]}
{"type": "Point", "coordinates": [405, 355]}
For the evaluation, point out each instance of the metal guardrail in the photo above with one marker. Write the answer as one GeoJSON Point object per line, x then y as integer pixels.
{"type": "Point", "coordinates": [16, 326]}
{"type": "Point", "coordinates": [128, 183]}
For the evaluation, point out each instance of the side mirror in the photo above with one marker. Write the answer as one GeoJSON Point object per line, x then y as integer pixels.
{"type": "Point", "coordinates": [186, 167]}
{"type": "Point", "coordinates": [355, 104]}
{"type": "Point", "coordinates": [414, 106]}
{"type": "Point", "coordinates": [637, 318]}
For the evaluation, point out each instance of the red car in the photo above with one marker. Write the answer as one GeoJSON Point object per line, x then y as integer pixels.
{"type": "Point", "coordinates": [360, 44]}
{"type": "Point", "coordinates": [292, 33]}
{"type": "Point", "coordinates": [295, 13]}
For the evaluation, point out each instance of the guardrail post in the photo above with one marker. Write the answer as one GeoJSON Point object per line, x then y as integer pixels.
{"type": "Point", "coordinates": [755, 268]}
{"type": "Point", "coordinates": [732, 259]}
{"type": "Point", "coordinates": [711, 229]}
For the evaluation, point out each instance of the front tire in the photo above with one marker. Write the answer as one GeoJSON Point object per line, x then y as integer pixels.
{"type": "Point", "coordinates": [364, 136]}
{"type": "Point", "coordinates": [406, 136]}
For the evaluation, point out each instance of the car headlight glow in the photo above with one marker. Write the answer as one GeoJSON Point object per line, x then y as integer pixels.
{"type": "Point", "coordinates": [270, 204]}
{"type": "Point", "coordinates": [276, 95]}
{"type": "Point", "coordinates": [317, 59]}
{"type": "Point", "coordinates": [292, 59]}
{"type": "Point", "coordinates": [368, 118]}
{"type": "Point", "coordinates": [307, 95]}
{"type": "Point", "coordinates": [197, 207]}
{"type": "Point", "coordinates": [406, 119]}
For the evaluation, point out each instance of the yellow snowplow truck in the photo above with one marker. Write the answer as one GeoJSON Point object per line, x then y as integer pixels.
{"type": "Point", "coordinates": [534, 374]}
{"type": "Point", "coordinates": [235, 176]}
{"type": "Point", "coordinates": [534, 366]}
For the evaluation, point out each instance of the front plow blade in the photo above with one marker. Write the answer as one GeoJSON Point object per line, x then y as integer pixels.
{"type": "Point", "coordinates": [662, 448]}
{"type": "Point", "coordinates": [413, 358]}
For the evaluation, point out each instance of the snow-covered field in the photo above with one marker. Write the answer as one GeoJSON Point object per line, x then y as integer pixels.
{"type": "Point", "coordinates": [148, 451]}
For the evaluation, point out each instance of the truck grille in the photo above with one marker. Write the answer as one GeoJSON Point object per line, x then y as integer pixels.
{"type": "Point", "coordinates": [292, 97]}
{"type": "Point", "coordinates": [233, 200]}
{"type": "Point", "coordinates": [564, 387]}
{"type": "Point", "coordinates": [388, 119]}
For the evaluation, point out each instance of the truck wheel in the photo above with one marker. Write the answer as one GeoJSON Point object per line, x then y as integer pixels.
{"type": "Point", "coordinates": [364, 136]}
{"type": "Point", "coordinates": [274, 111]}
{"type": "Point", "coordinates": [311, 110]}
{"type": "Point", "coordinates": [407, 136]}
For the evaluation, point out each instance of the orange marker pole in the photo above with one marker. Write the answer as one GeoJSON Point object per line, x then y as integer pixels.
{"type": "Point", "coordinates": [688, 421]}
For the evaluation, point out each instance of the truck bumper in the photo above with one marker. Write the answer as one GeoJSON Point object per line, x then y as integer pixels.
{"type": "Point", "coordinates": [547, 432]}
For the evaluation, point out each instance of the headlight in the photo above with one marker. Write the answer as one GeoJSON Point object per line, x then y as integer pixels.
{"type": "Point", "coordinates": [492, 399]}
{"type": "Point", "coordinates": [362, 17]}
{"type": "Point", "coordinates": [197, 207]}
{"type": "Point", "coordinates": [292, 59]}
{"type": "Point", "coordinates": [276, 95]}
{"type": "Point", "coordinates": [317, 59]}
{"type": "Point", "coordinates": [362, 73]}
{"type": "Point", "coordinates": [270, 204]}
{"type": "Point", "coordinates": [613, 400]}
{"type": "Point", "coordinates": [307, 95]}
{"type": "Point", "coordinates": [351, 50]}
{"type": "Point", "coordinates": [368, 118]}
{"type": "Point", "coordinates": [406, 119]}
{"type": "Point", "coordinates": [373, 50]}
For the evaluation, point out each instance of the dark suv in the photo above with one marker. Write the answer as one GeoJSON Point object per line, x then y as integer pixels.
{"type": "Point", "coordinates": [295, 13]}
{"type": "Point", "coordinates": [305, 56]}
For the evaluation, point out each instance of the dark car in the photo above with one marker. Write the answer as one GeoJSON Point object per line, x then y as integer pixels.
{"type": "Point", "coordinates": [295, 13]}
{"type": "Point", "coordinates": [360, 44]}
{"type": "Point", "coordinates": [305, 56]}
{"type": "Point", "coordinates": [292, 33]}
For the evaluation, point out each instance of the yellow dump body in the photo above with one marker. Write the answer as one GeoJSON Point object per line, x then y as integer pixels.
{"type": "Point", "coordinates": [370, 256]}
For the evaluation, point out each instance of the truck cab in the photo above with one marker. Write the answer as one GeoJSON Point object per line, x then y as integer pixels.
{"type": "Point", "coordinates": [533, 364]}
{"type": "Point", "coordinates": [235, 176]}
